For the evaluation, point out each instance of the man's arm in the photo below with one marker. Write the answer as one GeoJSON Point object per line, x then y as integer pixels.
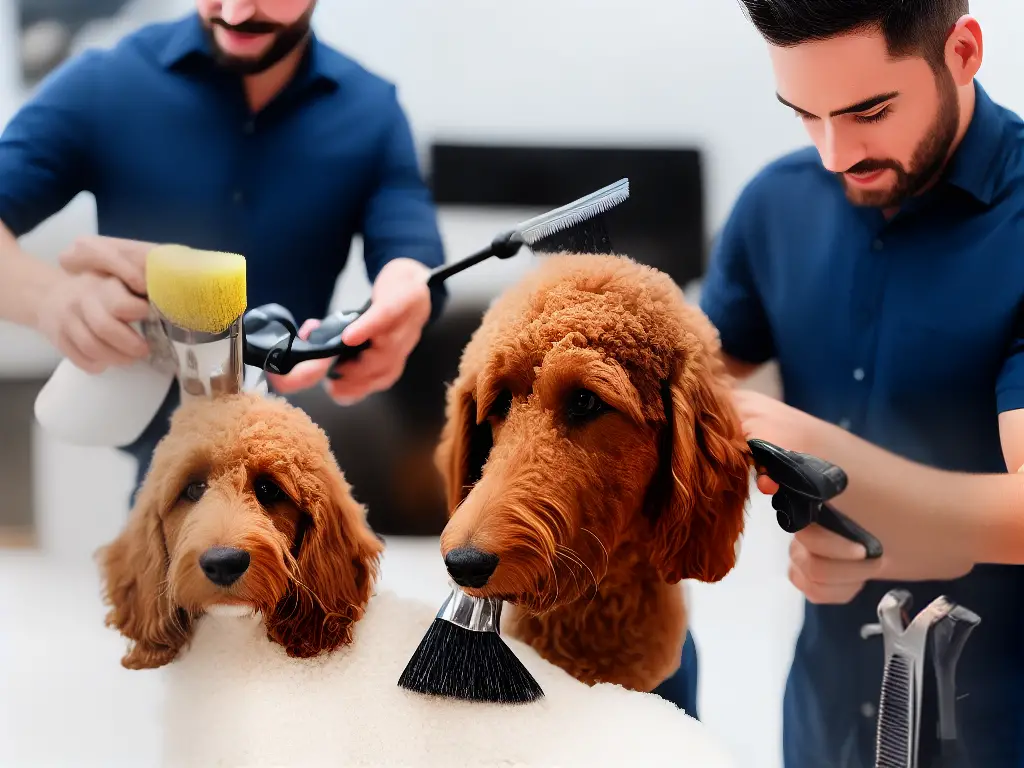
{"type": "Point", "coordinates": [24, 281]}
{"type": "Point", "coordinates": [44, 163]}
{"type": "Point", "coordinates": [934, 523]}
{"type": "Point", "coordinates": [400, 219]}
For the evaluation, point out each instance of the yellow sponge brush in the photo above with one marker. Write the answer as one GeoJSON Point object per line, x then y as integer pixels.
{"type": "Point", "coordinates": [196, 290]}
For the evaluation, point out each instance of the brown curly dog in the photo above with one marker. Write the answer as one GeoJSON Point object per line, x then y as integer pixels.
{"type": "Point", "coordinates": [243, 506]}
{"type": "Point", "coordinates": [592, 461]}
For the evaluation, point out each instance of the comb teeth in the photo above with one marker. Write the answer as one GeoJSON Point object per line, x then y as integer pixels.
{"type": "Point", "coordinates": [594, 204]}
{"type": "Point", "coordinates": [893, 737]}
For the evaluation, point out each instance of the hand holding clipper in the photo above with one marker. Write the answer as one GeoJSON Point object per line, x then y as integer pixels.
{"type": "Point", "coordinates": [806, 483]}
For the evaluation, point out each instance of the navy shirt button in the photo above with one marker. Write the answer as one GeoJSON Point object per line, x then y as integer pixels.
{"type": "Point", "coordinates": [858, 374]}
{"type": "Point", "coordinates": [844, 423]}
{"type": "Point", "coordinates": [878, 245]}
{"type": "Point", "coordinates": [867, 709]}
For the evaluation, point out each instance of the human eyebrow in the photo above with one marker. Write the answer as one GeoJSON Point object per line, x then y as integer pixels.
{"type": "Point", "coordinates": [860, 106]}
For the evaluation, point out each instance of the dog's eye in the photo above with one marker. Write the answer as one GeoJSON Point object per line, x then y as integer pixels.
{"type": "Point", "coordinates": [584, 405]}
{"type": "Point", "coordinates": [267, 491]}
{"type": "Point", "coordinates": [194, 491]}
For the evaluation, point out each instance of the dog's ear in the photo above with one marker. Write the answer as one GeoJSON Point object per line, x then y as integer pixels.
{"type": "Point", "coordinates": [464, 445]}
{"type": "Point", "coordinates": [334, 571]}
{"type": "Point", "coordinates": [700, 492]}
{"type": "Point", "coordinates": [133, 569]}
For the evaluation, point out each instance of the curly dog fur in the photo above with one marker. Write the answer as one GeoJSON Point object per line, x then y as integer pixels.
{"type": "Point", "coordinates": [591, 445]}
{"type": "Point", "coordinates": [253, 474]}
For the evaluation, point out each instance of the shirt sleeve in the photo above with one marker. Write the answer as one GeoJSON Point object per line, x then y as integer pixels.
{"type": "Point", "coordinates": [400, 219]}
{"type": "Point", "coordinates": [729, 293]}
{"type": "Point", "coordinates": [45, 148]}
{"type": "Point", "coordinates": [1010, 383]}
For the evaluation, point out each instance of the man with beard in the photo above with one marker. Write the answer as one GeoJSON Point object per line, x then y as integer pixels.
{"type": "Point", "coordinates": [882, 269]}
{"type": "Point", "coordinates": [233, 129]}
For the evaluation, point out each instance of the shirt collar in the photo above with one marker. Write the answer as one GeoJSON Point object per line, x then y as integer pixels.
{"type": "Point", "coordinates": [188, 42]}
{"type": "Point", "coordinates": [974, 165]}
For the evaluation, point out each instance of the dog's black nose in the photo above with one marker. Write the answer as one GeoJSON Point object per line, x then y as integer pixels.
{"type": "Point", "coordinates": [469, 567]}
{"type": "Point", "coordinates": [224, 565]}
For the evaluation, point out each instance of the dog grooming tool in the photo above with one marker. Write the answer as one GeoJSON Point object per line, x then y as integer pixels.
{"type": "Point", "coordinates": [462, 656]}
{"type": "Point", "coordinates": [200, 299]}
{"type": "Point", "coordinates": [805, 484]}
{"type": "Point", "coordinates": [271, 333]}
{"type": "Point", "coordinates": [194, 332]}
{"type": "Point", "coordinates": [903, 705]}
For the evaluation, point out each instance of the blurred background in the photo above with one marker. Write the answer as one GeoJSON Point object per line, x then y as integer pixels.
{"type": "Point", "coordinates": [516, 108]}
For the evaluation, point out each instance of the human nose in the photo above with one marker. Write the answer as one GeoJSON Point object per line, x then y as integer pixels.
{"type": "Point", "coordinates": [237, 11]}
{"type": "Point", "coordinates": [838, 153]}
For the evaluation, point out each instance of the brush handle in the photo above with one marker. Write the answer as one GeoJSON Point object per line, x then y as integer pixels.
{"type": "Point", "coordinates": [805, 483]}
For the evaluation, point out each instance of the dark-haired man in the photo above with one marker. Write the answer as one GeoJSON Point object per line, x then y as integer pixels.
{"type": "Point", "coordinates": [882, 269]}
{"type": "Point", "coordinates": [231, 129]}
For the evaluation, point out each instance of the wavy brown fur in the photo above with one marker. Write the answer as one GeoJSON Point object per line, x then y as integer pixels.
{"type": "Point", "coordinates": [152, 580]}
{"type": "Point", "coordinates": [597, 521]}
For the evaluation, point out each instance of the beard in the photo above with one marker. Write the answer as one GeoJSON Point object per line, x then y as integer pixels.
{"type": "Point", "coordinates": [287, 37]}
{"type": "Point", "coordinates": [926, 163]}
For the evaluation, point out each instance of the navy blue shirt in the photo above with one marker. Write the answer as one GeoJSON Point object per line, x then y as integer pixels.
{"type": "Point", "coordinates": [905, 332]}
{"type": "Point", "coordinates": [166, 143]}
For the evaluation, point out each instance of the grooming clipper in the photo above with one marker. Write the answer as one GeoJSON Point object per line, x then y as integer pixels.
{"type": "Point", "coordinates": [805, 484]}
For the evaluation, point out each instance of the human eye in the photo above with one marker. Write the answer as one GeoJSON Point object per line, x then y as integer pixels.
{"type": "Point", "coordinates": [874, 117]}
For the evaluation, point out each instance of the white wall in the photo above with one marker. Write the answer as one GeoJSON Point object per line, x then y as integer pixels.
{"type": "Point", "coordinates": [689, 72]}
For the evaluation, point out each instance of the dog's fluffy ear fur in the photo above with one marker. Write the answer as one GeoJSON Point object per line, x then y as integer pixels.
{"type": "Point", "coordinates": [703, 480]}
{"type": "Point", "coordinates": [324, 600]}
{"type": "Point", "coordinates": [134, 572]}
{"type": "Point", "coordinates": [464, 445]}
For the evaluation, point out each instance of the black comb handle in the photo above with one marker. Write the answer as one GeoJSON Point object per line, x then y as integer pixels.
{"type": "Point", "coordinates": [806, 483]}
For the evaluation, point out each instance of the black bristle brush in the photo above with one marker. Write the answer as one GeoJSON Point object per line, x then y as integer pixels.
{"type": "Point", "coordinates": [462, 655]}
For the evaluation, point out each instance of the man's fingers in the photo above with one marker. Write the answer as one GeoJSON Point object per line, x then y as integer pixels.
{"type": "Point", "coordinates": [379, 319]}
{"type": "Point", "coordinates": [302, 376]}
{"type": "Point", "coordinates": [823, 594]}
{"type": "Point", "coordinates": [824, 543]}
{"type": "Point", "coordinates": [766, 485]}
{"type": "Point", "coordinates": [824, 570]}
{"type": "Point", "coordinates": [108, 256]}
{"type": "Point", "coordinates": [112, 331]}
{"type": "Point", "coordinates": [96, 355]}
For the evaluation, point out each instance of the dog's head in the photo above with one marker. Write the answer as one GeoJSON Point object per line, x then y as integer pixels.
{"type": "Point", "coordinates": [243, 505]}
{"type": "Point", "coordinates": [591, 409]}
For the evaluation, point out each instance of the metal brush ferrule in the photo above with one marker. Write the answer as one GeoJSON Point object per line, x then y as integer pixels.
{"type": "Point", "coordinates": [478, 614]}
{"type": "Point", "coordinates": [208, 364]}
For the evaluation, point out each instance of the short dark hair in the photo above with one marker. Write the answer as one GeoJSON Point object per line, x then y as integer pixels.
{"type": "Point", "coordinates": [909, 26]}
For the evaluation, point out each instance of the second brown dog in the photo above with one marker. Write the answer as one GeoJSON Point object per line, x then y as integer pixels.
{"type": "Point", "coordinates": [593, 460]}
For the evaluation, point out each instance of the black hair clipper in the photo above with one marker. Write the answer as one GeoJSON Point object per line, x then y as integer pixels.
{"type": "Point", "coordinates": [805, 484]}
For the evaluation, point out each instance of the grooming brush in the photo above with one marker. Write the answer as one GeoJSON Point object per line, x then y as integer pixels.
{"type": "Point", "coordinates": [200, 299]}
{"type": "Point", "coordinates": [805, 484]}
{"type": "Point", "coordinates": [271, 333]}
{"type": "Point", "coordinates": [196, 298]}
{"type": "Point", "coordinates": [462, 656]}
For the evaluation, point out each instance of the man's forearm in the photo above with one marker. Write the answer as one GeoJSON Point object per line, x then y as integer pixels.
{"type": "Point", "coordinates": [928, 516]}
{"type": "Point", "coordinates": [24, 282]}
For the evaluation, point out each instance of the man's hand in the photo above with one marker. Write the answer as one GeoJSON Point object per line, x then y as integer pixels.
{"type": "Point", "coordinates": [110, 257]}
{"type": "Point", "coordinates": [86, 317]}
{"type": "Point", "coordinates": [828, 568]}
{"type": "Point", "coordinates": [400, 307]}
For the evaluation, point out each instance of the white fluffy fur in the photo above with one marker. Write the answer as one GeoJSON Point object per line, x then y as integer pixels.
{"type": "Point", "coordinates": [235, 699]}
